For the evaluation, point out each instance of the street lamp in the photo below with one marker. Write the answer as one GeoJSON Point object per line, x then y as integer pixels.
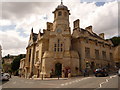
{"type": "Point", "coordinates": [42, 73]}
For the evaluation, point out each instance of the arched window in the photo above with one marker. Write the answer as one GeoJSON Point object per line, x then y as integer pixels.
{"type": "Point", "coordinates": [58, 45]}
{"type": "Point", "coordinates": [55, 47]}
{"type": "Point", "coordinates": [59, 13]}
{"type": "Point", "coordinates": [65, 13]}
{"type": "Point", "coordinates": [55, 15]}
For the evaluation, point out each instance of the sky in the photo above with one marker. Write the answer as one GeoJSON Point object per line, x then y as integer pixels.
{"type": "Point", "coordinates": [17, 19]}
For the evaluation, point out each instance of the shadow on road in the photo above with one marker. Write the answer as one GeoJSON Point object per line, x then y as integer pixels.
{"type": "Point", "coordinates": [3, 82]}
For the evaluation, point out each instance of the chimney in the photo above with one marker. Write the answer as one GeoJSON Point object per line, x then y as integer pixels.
{"type": "Point", "coordinates": [76, 24]}
{"type": "Point", "coordinates": [32, 30]}
{"type": "Point", "coordinates": [89, 28]}
{"type": "Point", "coordinates": [101, 35]}
{"type": "Point", "coordinates": [49, 26]}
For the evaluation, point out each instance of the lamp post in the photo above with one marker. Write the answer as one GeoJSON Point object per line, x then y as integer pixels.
{"type": "Point", "coordinates": [38, 71]}
{"type": "Point", "coordinates": [58, 76]}
{"type": "Point", "coordinates": [42, 74]}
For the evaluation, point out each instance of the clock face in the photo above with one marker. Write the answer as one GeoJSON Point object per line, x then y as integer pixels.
{"type": "Point", "coordinates": [59, 30]}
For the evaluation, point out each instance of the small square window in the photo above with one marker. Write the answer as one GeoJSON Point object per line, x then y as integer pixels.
{"type": "Point", "coordinates": [59, 13]}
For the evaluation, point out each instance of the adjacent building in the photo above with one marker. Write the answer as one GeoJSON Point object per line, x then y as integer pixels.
{"type": "Point", "coordinates": [0, 58]}
{"type": "Point", "coordinates": [117, 56]}
{"type": "Point", "coordinates": [58, 52]}
{"type": "Point", "coordinates": [8, 59]}
{"type": "Point", "coordinates": [0, 53]}
{"type": "Point", "coordinates": [22, 68]}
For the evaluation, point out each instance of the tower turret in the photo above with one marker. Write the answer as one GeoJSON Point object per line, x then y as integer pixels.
{"type": "Point", "coordinates": [61, 18]}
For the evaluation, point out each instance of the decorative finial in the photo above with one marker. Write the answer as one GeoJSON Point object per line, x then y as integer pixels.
{"type": "Point", "coordinates": [32, 30]}
{"type": "Point", "coordinates": [61, 2]}
{"type": "Point", "coordinates": [39, 30]}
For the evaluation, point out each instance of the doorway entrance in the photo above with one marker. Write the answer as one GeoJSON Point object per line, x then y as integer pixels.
{"type": "Point", "coordinates": [58, 69]}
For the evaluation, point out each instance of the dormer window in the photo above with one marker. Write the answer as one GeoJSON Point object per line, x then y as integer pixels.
{"type": "Point", "coordinates": [59, 13]}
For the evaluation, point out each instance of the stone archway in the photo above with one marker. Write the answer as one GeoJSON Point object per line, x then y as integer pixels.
{"type": "Point", "coordinates": [58, 69]}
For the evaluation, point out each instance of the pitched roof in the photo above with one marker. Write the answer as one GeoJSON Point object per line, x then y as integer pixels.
{"type": "Point", "coordinates": [35, 37]}
{"type": "Point", "coordinates": [92, 34]}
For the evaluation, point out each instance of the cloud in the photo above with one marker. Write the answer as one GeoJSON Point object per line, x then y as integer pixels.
{"type": "Point", "coordinates": [12, 42]}
{"type": "Point", "coordinates": [25, 15]}
{"type": "Point", "coordinates": [104, 19]}
{"type": "Point", "coordinates": [7, 27]}
{"type": "Point", "coordinates": [24, 9]}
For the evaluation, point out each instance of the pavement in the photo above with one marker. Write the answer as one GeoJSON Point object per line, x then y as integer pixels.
{"type": "Point", "coordinates": [74, 82]}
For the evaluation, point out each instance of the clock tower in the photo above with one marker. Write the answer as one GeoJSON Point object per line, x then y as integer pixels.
{"type": "Point", "coordinates": [61, 18]}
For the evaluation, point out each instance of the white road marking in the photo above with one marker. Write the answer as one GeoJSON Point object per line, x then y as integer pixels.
{"type": "Point", "coordinates": [66, 83]}
{"type": "Point", "coordinates": [113, 76]}
{"type": "Point", "coordinates": [70, 82]}
{"type": "Point", "coordinates": [29, 82]}
{"type": "Point", "coordinates": [107, 80]}
{"type": "Point", "coordinates": [62, 84]}
{"type": "Point", "coordinates": [75, 81]}
{"type": "Point", "coordinates": [14, 82]}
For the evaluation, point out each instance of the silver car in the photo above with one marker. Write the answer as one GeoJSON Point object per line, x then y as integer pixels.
{"type": "Point", "coordinates": [5, 76]}
{"type": "Point", "coordinates": [119, 72]}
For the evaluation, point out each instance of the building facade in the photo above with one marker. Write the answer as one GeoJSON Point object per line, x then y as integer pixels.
{"type": "Point", "coordinates": [58, 52]}
{"type": "Point", "coordinates": [0, 58]}
{"type": "Point", "coordinates": [117, 56]}
{"type": "Point", "coordinates": [22, 68]}
{"type": "Point", "coordinates": [0, 53]}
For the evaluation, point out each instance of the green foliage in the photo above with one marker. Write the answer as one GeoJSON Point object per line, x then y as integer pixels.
{"type": "Point", "coordinates": [115, 41]}
{"type": "Point", "coordinates": [3, 61]}
{"type": "Point", "coordinates": [8, 56]}
{"type": "Point", "coordinates": [16, 62]}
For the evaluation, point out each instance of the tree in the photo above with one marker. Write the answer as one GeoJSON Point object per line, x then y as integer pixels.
{"type": "Point", "coordinates": [8, 56]}
{"type": "Point", "coordinates": [115, 41]}
{"type": "Point", "coordinates": [16, 63]}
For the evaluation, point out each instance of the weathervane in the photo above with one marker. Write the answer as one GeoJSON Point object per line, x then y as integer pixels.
{"type": "Point", "coordinates": [62, 2]}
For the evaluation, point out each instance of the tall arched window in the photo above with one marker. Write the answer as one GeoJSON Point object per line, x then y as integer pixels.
{"type": "Point", "coordinates": [55, 15]}
{"type": "Point", "coordinates": [59, 46]}
{"type": "Point", "coordinates": [59, 13]}
{"type": "Point", "coordinates": [55, 47]}
{"type": "Point", "coordinates": [65, 13]}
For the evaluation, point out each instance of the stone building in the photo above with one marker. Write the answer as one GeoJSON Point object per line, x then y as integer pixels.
{"type": "Point", "coordinates": [21, 68]}
{"type": "Point", "coordinates": [8, 59]}
{"type": "Point", "coordinates": [0, 58]}
{"type": "Point", "coordinates": [0, 53]}
{"type": "Point", "coordinates": [117, 56]}
{"type": "Point", "coordinates": [58, 52]}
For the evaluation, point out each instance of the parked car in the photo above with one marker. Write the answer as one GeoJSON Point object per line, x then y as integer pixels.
{"type": "Point", "coordinates": [5, 76]}
{"type": "Point", "coordinates": [119, 72]}
{"type": "Point", "coordinates": [101, 72]}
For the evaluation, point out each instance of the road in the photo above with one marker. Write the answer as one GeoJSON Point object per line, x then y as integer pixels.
{"type": "Point", "coordinates": [77, 82]}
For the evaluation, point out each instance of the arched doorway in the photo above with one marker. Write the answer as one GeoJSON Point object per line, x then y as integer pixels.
{"type": "Point", "coordinates": [58, 69]}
